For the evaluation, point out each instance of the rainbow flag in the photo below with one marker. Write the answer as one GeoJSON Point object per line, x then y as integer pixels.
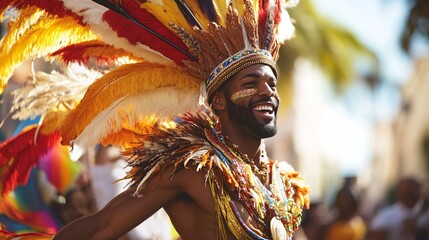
{"type": "Point", "coordinates": [25, 206]}
{"type": "Point", "coordinates": [60, 170]}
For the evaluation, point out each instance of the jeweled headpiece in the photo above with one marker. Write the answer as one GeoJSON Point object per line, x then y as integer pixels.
{"type": "Point", "coordinates": [139, 61]}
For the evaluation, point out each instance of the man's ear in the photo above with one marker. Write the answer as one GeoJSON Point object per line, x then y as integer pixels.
{"type": "Point", "coordinates": [219, 101]}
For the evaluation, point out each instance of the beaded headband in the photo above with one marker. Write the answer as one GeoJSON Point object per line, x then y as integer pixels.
{"type": "Point", "coordinates": [236, 63]}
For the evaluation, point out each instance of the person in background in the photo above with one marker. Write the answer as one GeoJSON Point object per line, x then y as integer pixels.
{"type": "Point", "coordinates": [347, 223]}
{"type": "Point", "coordinates": [398, 220]}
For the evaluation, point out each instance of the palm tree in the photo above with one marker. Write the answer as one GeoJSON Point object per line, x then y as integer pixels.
{"type": "Point", "coordinates": [329, 46]}
{"type": "Point", "coordinates": [417, 23]}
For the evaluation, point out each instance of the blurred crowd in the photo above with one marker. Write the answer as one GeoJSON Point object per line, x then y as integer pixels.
{"type": "Point", "coordinates": [97, 184]}
{"type": "Point", "coordinates": [403, 216]}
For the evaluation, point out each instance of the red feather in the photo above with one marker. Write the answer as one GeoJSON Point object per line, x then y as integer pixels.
{"type": "Point", "coordinates": [278, 13]}
{"type": "Point", "coordinates": [54, 7]}
{"type": "Point", "coordinates": [85, 51]}
{"type": "Point", "coordinates": [136, 34]}
{"type": "Point", "coordinates": [19, 154]}
{"type": "Point", "coordinates": [262, 20]}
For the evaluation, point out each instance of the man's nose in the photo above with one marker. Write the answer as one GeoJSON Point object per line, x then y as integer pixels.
{"type": "Point", "coordinates": [266, 90]}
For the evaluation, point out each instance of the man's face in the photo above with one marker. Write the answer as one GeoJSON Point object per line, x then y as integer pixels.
{"type": "Point", "coordinates": [252, 100]}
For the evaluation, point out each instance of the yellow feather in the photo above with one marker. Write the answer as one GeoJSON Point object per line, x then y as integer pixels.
{"type": "Point", "coordinates": [166, 14]}
{"type": "Point", "coordinates": [129, 132]}
{"type": "Point", "coordinates": [124, 81]}
{"type": "Point", "coordinates": [23, 23]}
{"type": "Point", "coordinates": [239, 5]}
{"type": "Point", "coordinates": [52, 122]}
{"type": "Point", "coordinates": [222, 9]}
{"type": "Point", "coordinates": [195, 8]}
{"type": "Point", "coordinates": [255, 4]}
{"type": "Point", "coordinates": [44, 37]}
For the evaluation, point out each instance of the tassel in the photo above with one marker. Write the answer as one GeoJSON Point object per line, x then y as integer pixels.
{"type": "Point", "coordinates": [19, 154]}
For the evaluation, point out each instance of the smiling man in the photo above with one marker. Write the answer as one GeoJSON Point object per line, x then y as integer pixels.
{"type": "Point", "coordinates": [217, 181]}
{"type": "Point", "coordinates": [252, 101]}
{"type": "Point", "coordinates": [210, 64]}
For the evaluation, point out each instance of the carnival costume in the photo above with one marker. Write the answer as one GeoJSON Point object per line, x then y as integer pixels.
{"type": "Point", "coordinates": [141, 65]}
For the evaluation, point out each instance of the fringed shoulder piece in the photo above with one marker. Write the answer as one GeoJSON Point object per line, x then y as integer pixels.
{"type": "Point", "coordinates": [170, 144]}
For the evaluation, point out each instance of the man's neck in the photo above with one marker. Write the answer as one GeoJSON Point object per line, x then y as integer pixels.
{"type": "Point", "coordinates": [246, 143]}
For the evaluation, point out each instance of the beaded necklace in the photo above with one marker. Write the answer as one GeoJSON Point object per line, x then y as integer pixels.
{"type": "Point", "coordinates": [274, 206]}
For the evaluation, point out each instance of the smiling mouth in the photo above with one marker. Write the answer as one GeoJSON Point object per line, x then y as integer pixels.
{"type": "Point", "coordinates": [264, 112]}
{"type": "Point", "coordinates": [264, 108]}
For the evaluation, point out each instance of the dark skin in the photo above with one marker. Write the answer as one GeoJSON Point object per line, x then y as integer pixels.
{"type": "Point", "coordinates": [187, 198]}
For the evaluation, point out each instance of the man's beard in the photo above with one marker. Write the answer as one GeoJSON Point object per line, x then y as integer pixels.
{"type": "Point", "coordinates": [244, 117]}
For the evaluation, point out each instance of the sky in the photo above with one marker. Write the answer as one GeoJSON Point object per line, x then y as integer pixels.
{"type": "Point", "coordinates": [378, 24]}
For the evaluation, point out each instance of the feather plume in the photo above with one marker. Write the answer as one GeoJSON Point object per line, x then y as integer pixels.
{"type": "Point", "coordinates": [285, 29]}
{"type": "Point", "coordinates": [188, 14]}
{"type": "Point", "coordinates": [19, 154]}
{"type": "Point", "coordinates": [53, 7]}
{"type": "Point", "coordinates": [52, 122]}
{"type": "Point", "coordinates": [239, 6]}
{"type": "Point", "coordinates": [167, 13]}
{"type": "Point", "coordinates": [209, 10]}
{"type": "Point", "coordinates": [122, 138]}
{"type": "Point", "coordinates": [125, 80]}
{"type": "Point", "coordinates": [92, 14]}
{"type": "Point", "coordinates": [24, 22]}
{"type": "Point", "coordinates": [161, 102]}
{"type": "Point", "coordinates": [249, 21]}
{"type": "Point", "coordinates": [222, 8]}
{"type": "Point", "coordinates": [235, 31]}
{"type": "Point", "coordinates": [158, 37]}
{"type": "Point", "coordinates": [52, 92]}
{"type": "Point", "coordinates": [47, 35]}
{"type": "Point", "coordinates": [270, 19]}
{"type": "Point", "coordinates": [83, 53]}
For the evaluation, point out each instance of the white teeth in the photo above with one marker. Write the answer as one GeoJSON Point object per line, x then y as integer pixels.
{"type": "Point", "coordinates": [263, 108]}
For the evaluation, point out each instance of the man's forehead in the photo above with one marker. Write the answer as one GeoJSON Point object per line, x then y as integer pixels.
{"type": "Point", "coordinates": [257, 70]}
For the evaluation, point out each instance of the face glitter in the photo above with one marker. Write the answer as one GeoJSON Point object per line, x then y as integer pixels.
{"type": "Point", "coordinates": [242, 94]}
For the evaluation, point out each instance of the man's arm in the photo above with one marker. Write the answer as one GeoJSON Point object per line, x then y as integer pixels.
{"type": "Point", "coordinates": [124, 212]}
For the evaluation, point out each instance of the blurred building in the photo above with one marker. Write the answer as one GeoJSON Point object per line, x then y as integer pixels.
{"type": "Point", "coordinates": [412, 123]}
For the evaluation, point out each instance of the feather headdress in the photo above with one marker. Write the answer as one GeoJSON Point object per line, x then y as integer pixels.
{"type": "Point", "coordinates": [153, 59]}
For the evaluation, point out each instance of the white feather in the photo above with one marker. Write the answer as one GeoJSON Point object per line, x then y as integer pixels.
{"type": "Point", "coordinates": [286, 30]}
{"type": "Point", "coordinates": [148, 174]}
{"type": "Point", "coordinates": [49, 91]}
{"type": "Point", "coordinates": [162, 102]}
{"type": "Point", "coordinates": [290, 3]}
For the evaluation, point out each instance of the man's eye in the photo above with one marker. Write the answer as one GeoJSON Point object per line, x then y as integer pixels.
{"type": "Point", "coordinates": [249, 84]}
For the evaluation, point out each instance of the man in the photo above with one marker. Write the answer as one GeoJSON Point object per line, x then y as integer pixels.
{"type": "Point", "coordinates": [209, 171]}
{"type": "Point", "coordinates": [187, 197]}
{"type": "Point", "coordinates": [399, 220]}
